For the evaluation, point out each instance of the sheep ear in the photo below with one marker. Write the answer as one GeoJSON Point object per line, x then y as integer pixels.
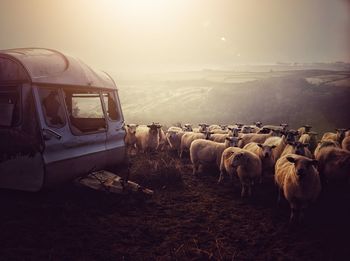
{"type": "Point", "coordinates": [305, 144]}
{"type": "Point", "coordinates": [273, 146]}
{"type": "Point", "coordinates": [260, 145]}
{"type": "Point", "coordinates": [336, 129]}
{"type": "Point", "coordinates": [149, 126]}
{"type": "Point", "coordinates": [136, 125]}
{"type": "Point", "coordinates": [227, 138]}
{"type": "Point", "coordinates": [127, 125]}
{"type": "Point", "coordinates": [291, 159]}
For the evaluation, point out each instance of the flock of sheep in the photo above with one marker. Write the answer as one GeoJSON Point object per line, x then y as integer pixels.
{"type": "Point", "coordinates": [297, 161]}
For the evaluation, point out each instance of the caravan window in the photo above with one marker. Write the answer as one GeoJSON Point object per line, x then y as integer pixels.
{"type": "Point", "coordinates": [52, 107]}
{"type": "Point", "coordinates": [10, 106]}
{"type": "Point", "coordinates": [111, 105]}
{"type": "Point", "coordinates": [85, 111]}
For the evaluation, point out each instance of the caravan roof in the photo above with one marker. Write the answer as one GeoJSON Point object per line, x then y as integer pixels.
{"type": "Point", "coordinates": [46, 66]}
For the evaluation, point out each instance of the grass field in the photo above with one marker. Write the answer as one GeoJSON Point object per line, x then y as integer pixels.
{"type": "Point", "coordinates": [188, 218]}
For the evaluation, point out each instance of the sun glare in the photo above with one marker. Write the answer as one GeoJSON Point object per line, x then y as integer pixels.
{"type": "Point", "coordinates": [143, 10]}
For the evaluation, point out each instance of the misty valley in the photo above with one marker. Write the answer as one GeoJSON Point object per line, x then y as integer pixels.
{"type": "Point", "coordinates": [316, 97]}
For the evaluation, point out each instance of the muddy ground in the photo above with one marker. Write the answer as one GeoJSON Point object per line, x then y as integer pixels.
{"type": "Point", "coordinates": [188, 218]}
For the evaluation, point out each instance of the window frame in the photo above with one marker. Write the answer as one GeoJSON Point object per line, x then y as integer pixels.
{"type": "Point", "coordinates": [83, 90]}
{"type": "Point", "coordinates": [118, 107]}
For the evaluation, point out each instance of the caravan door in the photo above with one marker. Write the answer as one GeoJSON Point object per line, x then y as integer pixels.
{"type": "Point", "coordinates": [74, 131]}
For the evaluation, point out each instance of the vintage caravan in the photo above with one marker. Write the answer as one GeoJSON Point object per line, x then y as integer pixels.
{"type": "Point", "coordinates": [59, 119]}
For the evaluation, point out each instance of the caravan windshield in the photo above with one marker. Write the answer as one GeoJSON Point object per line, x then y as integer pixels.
{"type": "Point", "coordinates": [10, 105]}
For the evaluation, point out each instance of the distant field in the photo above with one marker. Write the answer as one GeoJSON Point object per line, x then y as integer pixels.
{"type": "Point", "coordinates": [293, 96]}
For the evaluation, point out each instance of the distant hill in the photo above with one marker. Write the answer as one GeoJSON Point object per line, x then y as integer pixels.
{"type": "Point", "coordinates": [317, 97]}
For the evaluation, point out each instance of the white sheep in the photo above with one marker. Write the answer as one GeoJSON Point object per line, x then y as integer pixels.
{"type": "Point", "coordinates": [189, 137]}
{"type": "Point", "coordinates": [346, 143]}
{"type": "Point", "coordinates": [297, 148]}
{"type": "Point", "coordinates": [204, 152]}
{"type": "Point", "coordinates": [214, 127]}
{"type": "Point", "coordinates": [325, 144]}
{"type": "Point", "coordinates": [225, 164]}
{"type": "Point", "coordinates": [279, 143]}
{"type": "Point", "coordinates": [174, 139]}
{"type": "Point", "coordinates": [233, 131]}
{"type": "Point", "coordinates": [254, 129]}
{"type": "Point", "coordinates": [130, 138]}
{"type": "Point", "coordinates": [187, 127]}
{"type": "Point", "coordinates": [304, 129]}
{"type": "Point", "coordinates": [338, 136]}
{"type": "Point", "coordinates": [278, 130]}
{"type": "Point", "coordinates": [218, 137]}
{"type": "Point", "coordinates": [203, 127]}
{"type": "Point", "coordinates": [264, 152]}
{"type": "Point", "coordinates": [246, 129]}
{"type": "Point", "coordinates": [309, 138]}
{"type": "Point", "coordinates": [258, 124]}
{"type": "Point", "coordinates": [334, 164]}
{"type": "Point", "coordinates": [253, 137]}
{"type": "Point", "coordinates": [175, 129]}
{"type": "Point", "coordinates": [246, 164]}
{"type": "Point", "coordinates": [220, 131]}
{"type": "Point", "coordinates": [147, 137]}
{"type": "Point", "coordinates": [298, 179]}
{"type": "Point", "coordinates": [162, 140]}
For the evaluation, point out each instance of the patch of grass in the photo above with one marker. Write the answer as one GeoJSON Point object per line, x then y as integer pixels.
{"type": "Point", "coordinates": [156, 171]}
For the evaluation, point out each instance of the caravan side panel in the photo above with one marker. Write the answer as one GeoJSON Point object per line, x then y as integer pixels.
{"type": "Point", "coordinates": [21, 163]}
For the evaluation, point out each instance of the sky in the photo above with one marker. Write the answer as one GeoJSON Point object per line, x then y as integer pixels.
{"type": "Point", "coordinates": [142, 35]}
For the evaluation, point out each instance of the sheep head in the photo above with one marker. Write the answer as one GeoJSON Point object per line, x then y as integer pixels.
{"type": "Point", "coordinates": [266, 150]}
{"type": "Point", "coordinates": [302, 165]}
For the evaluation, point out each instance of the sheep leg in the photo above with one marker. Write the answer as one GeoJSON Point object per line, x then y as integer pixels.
{"type": "Point", "coordinates": [243, 191]}
{"type": "Point", "coordinates": [244, 184]}
{"type": "Point", "coordinates": [302, 213]}
{"type": "Point", "coordinates": [181, 151]}
{"type": "Point", "coordinates": [279, 196]}
{"type": "Point", "coordinates": [249, 190]}
{"type": "Point", "coordinates": [222, 176]}
{"type": "Point", "coordinates": [195, 168]}
{"type": "Point", "coordinates": [294, 214]}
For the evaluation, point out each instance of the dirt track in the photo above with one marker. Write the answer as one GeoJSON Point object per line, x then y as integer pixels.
{"type": "Point", "coordinates": [188, 218]}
